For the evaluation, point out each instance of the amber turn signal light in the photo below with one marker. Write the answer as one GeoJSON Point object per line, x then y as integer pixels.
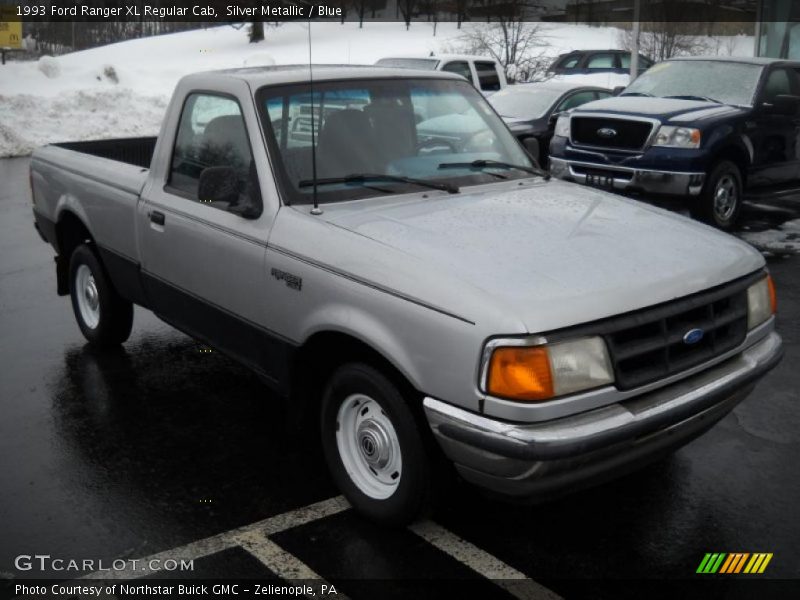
{"type": "Point", "coordinates": [773, 297]}
{"type": "Point", "coordinates": [520, 373]}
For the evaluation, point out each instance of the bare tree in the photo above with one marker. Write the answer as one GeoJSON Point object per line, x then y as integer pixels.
{"type": "Point", "coordinates": [462, 11]}
{"type": "Point", "coordinates": [431, 8]}
{"type": "Point", "coordinates": [361, 7]}
{"type": "Point", "coordinates": [256, 32]}
{"type": "Point", "coordinates": [407, 9]}
{"type": "Point", "coordinates": [517, 45]}
{"type": "Point", "coordinates": [660, 40]}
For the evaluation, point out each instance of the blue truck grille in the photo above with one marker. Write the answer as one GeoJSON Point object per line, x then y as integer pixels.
{"type": "Point", "coordinates": [597, 131]}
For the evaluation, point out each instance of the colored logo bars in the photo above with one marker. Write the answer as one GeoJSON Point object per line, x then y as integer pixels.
{"type": "Point", "coordinates": [735, 562]}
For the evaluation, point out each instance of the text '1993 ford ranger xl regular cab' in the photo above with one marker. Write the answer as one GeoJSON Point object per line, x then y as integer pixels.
{"type": "Point", "coordinates": [422, 296]}
{"type": "Point", "coordinates": [707, 129]}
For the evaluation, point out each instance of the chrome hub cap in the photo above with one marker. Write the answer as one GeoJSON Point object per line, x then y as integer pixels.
{"type": "Point", "coordinates": [368, 446]}
{"type": "Point", "coordinates": [726, 198]}
{"type": "Point", "coordinates": [87, 296]}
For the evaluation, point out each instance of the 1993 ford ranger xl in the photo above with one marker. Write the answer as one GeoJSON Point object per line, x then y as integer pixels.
{"type": "Point", "coordinates": [426, 294]}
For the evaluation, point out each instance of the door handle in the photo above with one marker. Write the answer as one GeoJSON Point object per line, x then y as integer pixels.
{"type": "Point", "coordinates": [157, 217]}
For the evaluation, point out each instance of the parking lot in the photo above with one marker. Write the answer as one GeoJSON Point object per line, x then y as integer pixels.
{"type": "Point", "coordinates": [167, 449]}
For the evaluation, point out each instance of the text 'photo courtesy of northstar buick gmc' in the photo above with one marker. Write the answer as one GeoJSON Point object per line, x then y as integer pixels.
{"type": "Point", "coordinates": [424, 292]}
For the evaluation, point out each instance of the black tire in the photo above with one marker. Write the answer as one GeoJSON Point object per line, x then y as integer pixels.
{"type": "Point", "coordinates": [412, 494]}
{"type": "Point", "coordinates": [723, 174]}
{"type": "Point", "coordinates": [115, 317]}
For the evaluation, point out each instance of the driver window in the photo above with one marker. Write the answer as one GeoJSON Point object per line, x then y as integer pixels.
{"type": "Point", "coordinates": [460, 68]}
{"type": "Point", "coordinates": [778, 83]}
{"type": "Point", "coordinates": [212, 134]}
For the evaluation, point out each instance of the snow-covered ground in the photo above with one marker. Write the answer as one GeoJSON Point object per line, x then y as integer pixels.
{"type": "Point", "coordinates": [122, 89]}
{"type": "Point", "coordinates": [781, 241]}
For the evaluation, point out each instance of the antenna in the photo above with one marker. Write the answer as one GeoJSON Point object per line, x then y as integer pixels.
{"type": "Point", "coordinates": [316, 210]}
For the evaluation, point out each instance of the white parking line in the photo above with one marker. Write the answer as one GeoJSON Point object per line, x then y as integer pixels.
{"type": "Point", "coordinates": [284, 564]}
{"type": "Point", "coordinates": [483, 563]}
{"type": "Point", "coordinates": [228, 539]}
{"type": "Point", "coordinates": [254, 538]}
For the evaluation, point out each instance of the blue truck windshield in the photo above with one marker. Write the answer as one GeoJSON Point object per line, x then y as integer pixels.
{"type": "Point", "coordinates": [725, 82]}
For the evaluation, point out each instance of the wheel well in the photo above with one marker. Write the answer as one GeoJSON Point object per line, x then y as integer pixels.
{"type": "Point", "coordinates": [321, 355]}
{"type": "Point", "coordinates": [70, 233]}
{"type": "Point", "coordinates": [737, 156]}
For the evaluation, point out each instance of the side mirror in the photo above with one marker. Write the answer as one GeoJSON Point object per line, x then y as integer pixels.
{"type": "Point", "coordinates": [784, 104]}
{"type": "Point", "coordinates": [531, 145]}
{"type": "Point", "coordinates": [618, 90]}
{"type": "Point", "coordinates": [221, 184]}
{"type": "Point", "coordinates": [218, 184]}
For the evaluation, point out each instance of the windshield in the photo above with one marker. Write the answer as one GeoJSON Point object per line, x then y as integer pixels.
{"type": "Point", "coordinates": [524, 103]}
{"type": "Point", "coordinates": [409, 63]}
{"type": "Point", "coordinates": [725, 82]}
{"type": "Point", "coordinates": [387, 132]}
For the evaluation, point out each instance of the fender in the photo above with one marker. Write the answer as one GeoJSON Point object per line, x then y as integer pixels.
{"type": "Point", "coordinates": [366, 328]}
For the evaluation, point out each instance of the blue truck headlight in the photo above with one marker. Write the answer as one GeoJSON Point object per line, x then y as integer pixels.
{"type": "Point", "coordinates": [677, 137]}
{"type": "Point", "coordinates": [562, 126]}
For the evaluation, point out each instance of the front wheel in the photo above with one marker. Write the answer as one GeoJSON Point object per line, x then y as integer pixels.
{"type": "Point", "coordinates": [105, 318]}
{"type": "Point", "coordinates": [721, 199]}
{"type": "Point", "coordinates": [373, 447]}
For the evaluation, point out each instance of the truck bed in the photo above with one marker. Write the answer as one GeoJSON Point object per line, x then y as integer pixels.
{"type": "Point", "coordinates": [133, 151]}
{"type": "Point", "coordinates": [99, 181]}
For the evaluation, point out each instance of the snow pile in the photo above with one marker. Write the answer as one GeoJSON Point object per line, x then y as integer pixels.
{"type": "Point", "coordinates": [783, 240]}
{"type": "Point", "coordinates": [49, 67]}
{"type": "Point", "coordinates": [123, 89]}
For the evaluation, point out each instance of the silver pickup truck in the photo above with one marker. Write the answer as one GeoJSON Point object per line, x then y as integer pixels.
{"type": "Point", "coordinates": [425, 292]}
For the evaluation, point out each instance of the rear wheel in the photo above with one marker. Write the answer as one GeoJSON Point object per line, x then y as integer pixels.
{"type": "Point", "coordinates": [373, 446]}
{"type": "Point", "coordinates": [721, 199]}
{"type": "Point", "coordinates": [105, 318]}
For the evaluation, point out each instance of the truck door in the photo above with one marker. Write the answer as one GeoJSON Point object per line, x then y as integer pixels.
{"type": "Point", "coordinates": [775, 136]}
{"type": "Point", "coordinates": [203, 232]}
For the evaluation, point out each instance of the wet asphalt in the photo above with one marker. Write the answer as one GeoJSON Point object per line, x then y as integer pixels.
{"type": "Point", "coordinates": [128, 453]}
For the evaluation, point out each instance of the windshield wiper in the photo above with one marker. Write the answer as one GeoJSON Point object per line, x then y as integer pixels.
{"type": "Point", "coordinates": [694, 97]}
{"type": "Point", "coordinates": [494, 164]}
{"type": "Point", "coordinates": [366, 177]}
{"type": "Point", "coordinates": [637, 94]}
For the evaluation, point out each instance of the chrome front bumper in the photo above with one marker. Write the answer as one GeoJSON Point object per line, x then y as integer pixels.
{"type": "Point", "coordinates": [627, 178]}
{"type": "Point", "coordinates": [541, 459]}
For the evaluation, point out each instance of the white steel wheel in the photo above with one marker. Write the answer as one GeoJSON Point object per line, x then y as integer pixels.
{"type": "Point", "coordinates": [105, 318]}
{"type": "Point", "coordinates": [368, 446]}
{"type": "Point", "coordinates": [87, 296]}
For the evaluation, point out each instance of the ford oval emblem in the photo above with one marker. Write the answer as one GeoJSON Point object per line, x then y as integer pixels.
{"type": "Point", "coordinates": [693, 336]}
{"type": "Point", "coordinates": [606, 132]}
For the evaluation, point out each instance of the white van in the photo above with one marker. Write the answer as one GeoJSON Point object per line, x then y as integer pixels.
{"type": "Point", "coordinates": [484, 73]}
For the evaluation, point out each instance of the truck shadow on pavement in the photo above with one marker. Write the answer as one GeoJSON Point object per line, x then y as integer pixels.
{"type": "Point", "coordinates": [182, 440]}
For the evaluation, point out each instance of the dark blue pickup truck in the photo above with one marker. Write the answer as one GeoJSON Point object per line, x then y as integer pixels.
{"type": "Point", "coordinates": [709, 129]}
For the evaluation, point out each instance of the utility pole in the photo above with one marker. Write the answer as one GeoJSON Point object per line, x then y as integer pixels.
{"type": "Point", "coordinates": [635, 45]}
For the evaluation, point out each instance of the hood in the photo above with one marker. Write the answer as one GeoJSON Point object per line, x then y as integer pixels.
{"type": "Point", "coordinates": [530, 126]}
{"type": "Point", "coordinates": [554, 254]}
{"type": "Point", "coordinates": [665, 109]}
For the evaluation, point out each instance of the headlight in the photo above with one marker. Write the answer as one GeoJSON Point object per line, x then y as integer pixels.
{"type": "Point", "coordinates": [677, 137]}
{"type": "Point", "coordinates": [535, 373]}
{"type": "Point", "coordinates": [761, 302]}
{"type": "Point", "coordinates": [562, 126]}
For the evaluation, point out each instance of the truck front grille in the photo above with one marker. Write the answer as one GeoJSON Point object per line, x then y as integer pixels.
{"type": "Point", "coordinates": [607, 132]}
{"type": "Point", "coordinates": [650, 344]}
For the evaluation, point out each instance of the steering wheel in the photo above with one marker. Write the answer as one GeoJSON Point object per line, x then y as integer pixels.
{"type": "Point", "coordinates": [476, 144]}
{"type": "Point", "coordinates": [435, 143]}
